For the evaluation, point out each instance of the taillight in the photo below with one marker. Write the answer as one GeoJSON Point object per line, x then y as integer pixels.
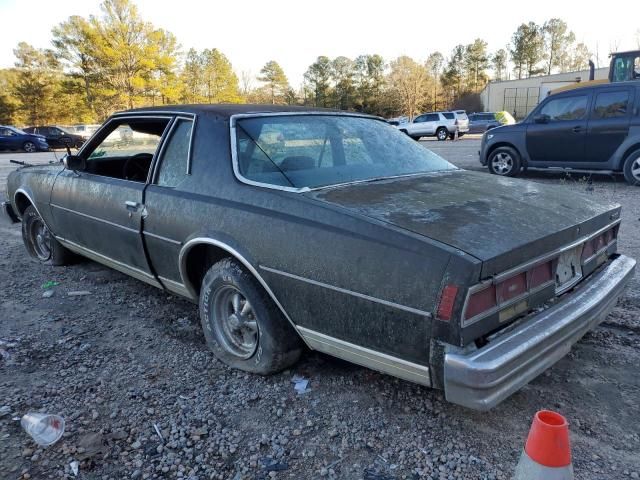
{"type": "Point", "coordinates": [447, 302]}
{"type": "Point", "coordinates": [512, 287]}
{"type": "Point", "coordinates": [540, 275]}
{"type": "Point", "coordinates": [480, 302]}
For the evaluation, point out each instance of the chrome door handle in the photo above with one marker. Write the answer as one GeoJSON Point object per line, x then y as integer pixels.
{"type": "Point", "coordinates": [132, 206]}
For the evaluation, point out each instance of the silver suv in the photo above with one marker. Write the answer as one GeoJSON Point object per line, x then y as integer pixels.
{"type": "Point", "coordinates": [436, 124]}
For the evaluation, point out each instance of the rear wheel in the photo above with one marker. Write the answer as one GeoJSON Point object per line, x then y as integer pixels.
{"type": "Point", "coordinates": [40, 243]}
{"type": "Point", "coordinates": [29, 147]}
{"type": "Point", "coordinates": [442, 134]}
{"type": "Point", "coordinates": [242, 326]}
{"type": "Point", "coordinates": [504, 161]}
{"type": "Point", "coordinates": [632, 168]}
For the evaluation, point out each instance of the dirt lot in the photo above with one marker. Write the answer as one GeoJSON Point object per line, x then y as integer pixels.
{"type": "Point", "coordinates": [128, 356]}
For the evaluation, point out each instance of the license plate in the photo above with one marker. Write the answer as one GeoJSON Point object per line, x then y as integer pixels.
{"type": "Point", "coordinates": [569, 270]}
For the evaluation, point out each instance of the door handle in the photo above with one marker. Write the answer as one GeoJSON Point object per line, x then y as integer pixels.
{"type": "Point", "coordinates": [577, 129]}
{"type": "Point", "coordinates": [132, 206]}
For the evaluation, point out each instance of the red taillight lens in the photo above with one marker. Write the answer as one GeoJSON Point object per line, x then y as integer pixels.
{"type": "Point", "coordinates": [512, 287]}
{"type": "Point", "coordinates": [447, 301]}
{"type": "Point", "coordinates": [541, 274]}
{"type": "Point", "coordinates": [480, 302]}
{"type": "Point", "coordinates": [587, 249]}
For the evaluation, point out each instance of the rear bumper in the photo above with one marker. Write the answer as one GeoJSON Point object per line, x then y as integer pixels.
{"type": "Point", "coordinates": [482, 378]}
{"type": "Point", "coordinates": [8, 214]}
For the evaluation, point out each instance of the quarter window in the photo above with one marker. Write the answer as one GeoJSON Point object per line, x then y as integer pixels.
{"type": "Point", "coordinates": [175, 156]}
{"type": "Point", "coordinates": [567, 108]}
{"type": "Point", "coordinates": [448, 116]}
{"type": "Point", "coordinates": [611, 105]}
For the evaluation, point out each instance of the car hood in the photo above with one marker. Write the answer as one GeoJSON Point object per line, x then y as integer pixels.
{"type": "Point", "coordinates": [502, 222]}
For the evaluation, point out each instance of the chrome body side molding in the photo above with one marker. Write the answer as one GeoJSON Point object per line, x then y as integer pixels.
{"type": "Point", "coordinates": [175, 287]}
{"type": "Point", "coordinates": [367, 358]}
{"type": "Point", "coordinates": [182, 265]}
{"type": "Point", "coordinates": [349, 292]}
{"type": "Point", "coordinates": [109, 262]}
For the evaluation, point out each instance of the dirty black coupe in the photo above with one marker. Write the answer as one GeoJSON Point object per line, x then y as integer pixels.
{"type": "Point", "coordinates": [294, 227]}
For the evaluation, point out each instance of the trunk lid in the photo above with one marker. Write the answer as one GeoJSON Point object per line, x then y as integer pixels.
{"type": "Point", "coordinates": [501, 221]}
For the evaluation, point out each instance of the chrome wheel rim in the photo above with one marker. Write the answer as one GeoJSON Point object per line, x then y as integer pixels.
{"type": "Point", "coordinates": [442, 135]}
{"type": "Point", "coordinates": [41, 240]}
{"type": "Point", "coordinates": [502, 163]}
{"type": "Point", "coordinates": [29, 147]}
{"type": "Point", "coordinates": [235, 322]}
{"type": "Point", "coordinates": [635, 169]}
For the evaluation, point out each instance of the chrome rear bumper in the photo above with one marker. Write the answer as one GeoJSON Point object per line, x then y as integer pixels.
{"type": "Point", "coordinates": [482, 378]}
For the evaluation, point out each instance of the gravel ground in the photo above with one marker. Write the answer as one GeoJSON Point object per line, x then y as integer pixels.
{"type": "Point", "coordinates": [126, 357]}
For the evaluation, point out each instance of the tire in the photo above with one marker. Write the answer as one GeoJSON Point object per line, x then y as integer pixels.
{"type": "Point", "coordinates": [442, 134]}
{"type": "Point", "coordinates": [504, 161]}
{"type": "Point", "coordinates": [29, 147]}
{"type": "Point", "coordinates": [242, 325]}
{"type": "Point", "coordinates": [40, 243]}
{"type": "Point", "coordinates": [632, 168]}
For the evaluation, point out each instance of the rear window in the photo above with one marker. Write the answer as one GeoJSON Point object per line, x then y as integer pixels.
{"type": "Point", "coordinates": [319, 150]}
{"type": "Point", "coordinates": [462, 115]}
{"type": "Point", "coordinates": [448, 115]}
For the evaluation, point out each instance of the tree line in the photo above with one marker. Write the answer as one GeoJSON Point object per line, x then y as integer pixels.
{"type": "Point", "coordinates": [116, 60]}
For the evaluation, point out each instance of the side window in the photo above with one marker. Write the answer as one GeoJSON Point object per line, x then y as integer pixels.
{"type": "Point", "coordinates": [125, 148]}
{"type": "Point", "coordinates": [611, 105]}
{"type": "Point", "coordinates": [432, 117]}
{"type": "Point", "coordinates": [448, 116]}
{"type": "Point", "coordinates": [419, 119]}
{"type": "Point", "coordinates": [567, 108]}
{"type": "Point", "coordinates": [175, 156]}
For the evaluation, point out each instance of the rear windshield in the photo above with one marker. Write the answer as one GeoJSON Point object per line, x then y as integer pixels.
{"type": "Point", "coordinates": [320, 150]}
{"type": "Point", "coordinates": [448, 115]}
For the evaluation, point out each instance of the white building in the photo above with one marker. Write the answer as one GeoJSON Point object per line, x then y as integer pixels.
{"type": "Point", "coordinates": [519, 97]}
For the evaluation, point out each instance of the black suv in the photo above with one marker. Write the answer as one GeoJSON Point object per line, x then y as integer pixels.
{"type": "Point", "coordinates": [586, 129]}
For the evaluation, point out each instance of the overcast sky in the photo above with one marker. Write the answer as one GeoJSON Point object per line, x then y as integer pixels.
{"type": "Point", "coordinates": [295, 32]}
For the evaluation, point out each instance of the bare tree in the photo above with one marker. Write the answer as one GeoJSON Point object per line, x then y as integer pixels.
{"type": "Point", "coordinates": [246, 82]}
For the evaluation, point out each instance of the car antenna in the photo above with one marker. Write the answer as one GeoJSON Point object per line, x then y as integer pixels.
{"type": "Point", "coordinates": [20, 162]}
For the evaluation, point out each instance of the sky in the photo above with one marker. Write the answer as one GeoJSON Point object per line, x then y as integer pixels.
{"type": "Point", "coordinates": [294, 33]}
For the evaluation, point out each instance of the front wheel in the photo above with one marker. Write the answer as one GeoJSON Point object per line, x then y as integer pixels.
{"type": "Point", "coordinates": [442, 134]}
{"type": "Point", "coordinates": [632, 168]}
{"type": "Point", "coordinates": [29, 147]}
{"type": "Point", "coordinates": [40, 243]}
{"type": "Point", "coordinates": [504, 161]}
{"type": "Point", "coordinates": [242, 326]}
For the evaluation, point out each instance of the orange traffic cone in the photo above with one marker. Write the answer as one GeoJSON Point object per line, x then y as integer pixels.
{"type": "Point", "coordinates": [547, 454]}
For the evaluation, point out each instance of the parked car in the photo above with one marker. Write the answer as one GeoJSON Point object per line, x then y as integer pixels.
{"type": "Point", "coordinates": [86, 130]}
{"type": "Point", "coordinates": [588, 129]}
{"type": "Point", "coordinates": [483, 121]}
{"type": "Point", "coordinates": [293, 226]}
{"type": "Point", "coordinates": [57, 137]}
{"type": "Point", "coordinates": [12, 138]}
{"type": "Point", "coordinates": [441, 125]}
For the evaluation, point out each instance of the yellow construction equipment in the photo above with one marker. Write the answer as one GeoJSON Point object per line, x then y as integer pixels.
{"type": "Point", "coordinates": [624, 66]}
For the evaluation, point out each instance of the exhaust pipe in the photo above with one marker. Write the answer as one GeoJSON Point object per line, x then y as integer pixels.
{"type": "Point", "coordinates": [592, 70]}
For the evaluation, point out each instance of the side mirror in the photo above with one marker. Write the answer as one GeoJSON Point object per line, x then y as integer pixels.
{"type": "Point", "coordinates": [74, 162]}
{"type": "Point", "coordinates": [541, 118]}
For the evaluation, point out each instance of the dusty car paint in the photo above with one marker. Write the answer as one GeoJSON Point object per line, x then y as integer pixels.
{"type": "Point", "coordinates": [357, 269]}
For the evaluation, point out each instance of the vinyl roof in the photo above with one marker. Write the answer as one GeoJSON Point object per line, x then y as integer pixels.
{"type": "Point", "coordinates": [228, 109]}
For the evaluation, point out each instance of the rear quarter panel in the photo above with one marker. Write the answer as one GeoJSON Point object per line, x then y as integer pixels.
{"type": "Point", "coordinates": [334, 273]}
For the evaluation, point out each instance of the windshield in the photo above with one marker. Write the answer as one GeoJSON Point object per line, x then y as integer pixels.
{"type": "Point", "coordinates": [320, 150]}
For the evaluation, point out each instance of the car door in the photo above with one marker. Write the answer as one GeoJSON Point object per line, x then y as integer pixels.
{"type": "Point", "coordinates": [164, 197]}
{"type": "Point", "coordinates": [431, 122]}
{"type": "Point", "coordinates": [417, 127]}
{"type": "Point", "coordinates": [98, 211]}
{"type": "Point", "coordinates": [608, 123]}
{"type": "Point", "coordinates": [556, 130]}
{"type": "Point", "coordinates": [7, 139]}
